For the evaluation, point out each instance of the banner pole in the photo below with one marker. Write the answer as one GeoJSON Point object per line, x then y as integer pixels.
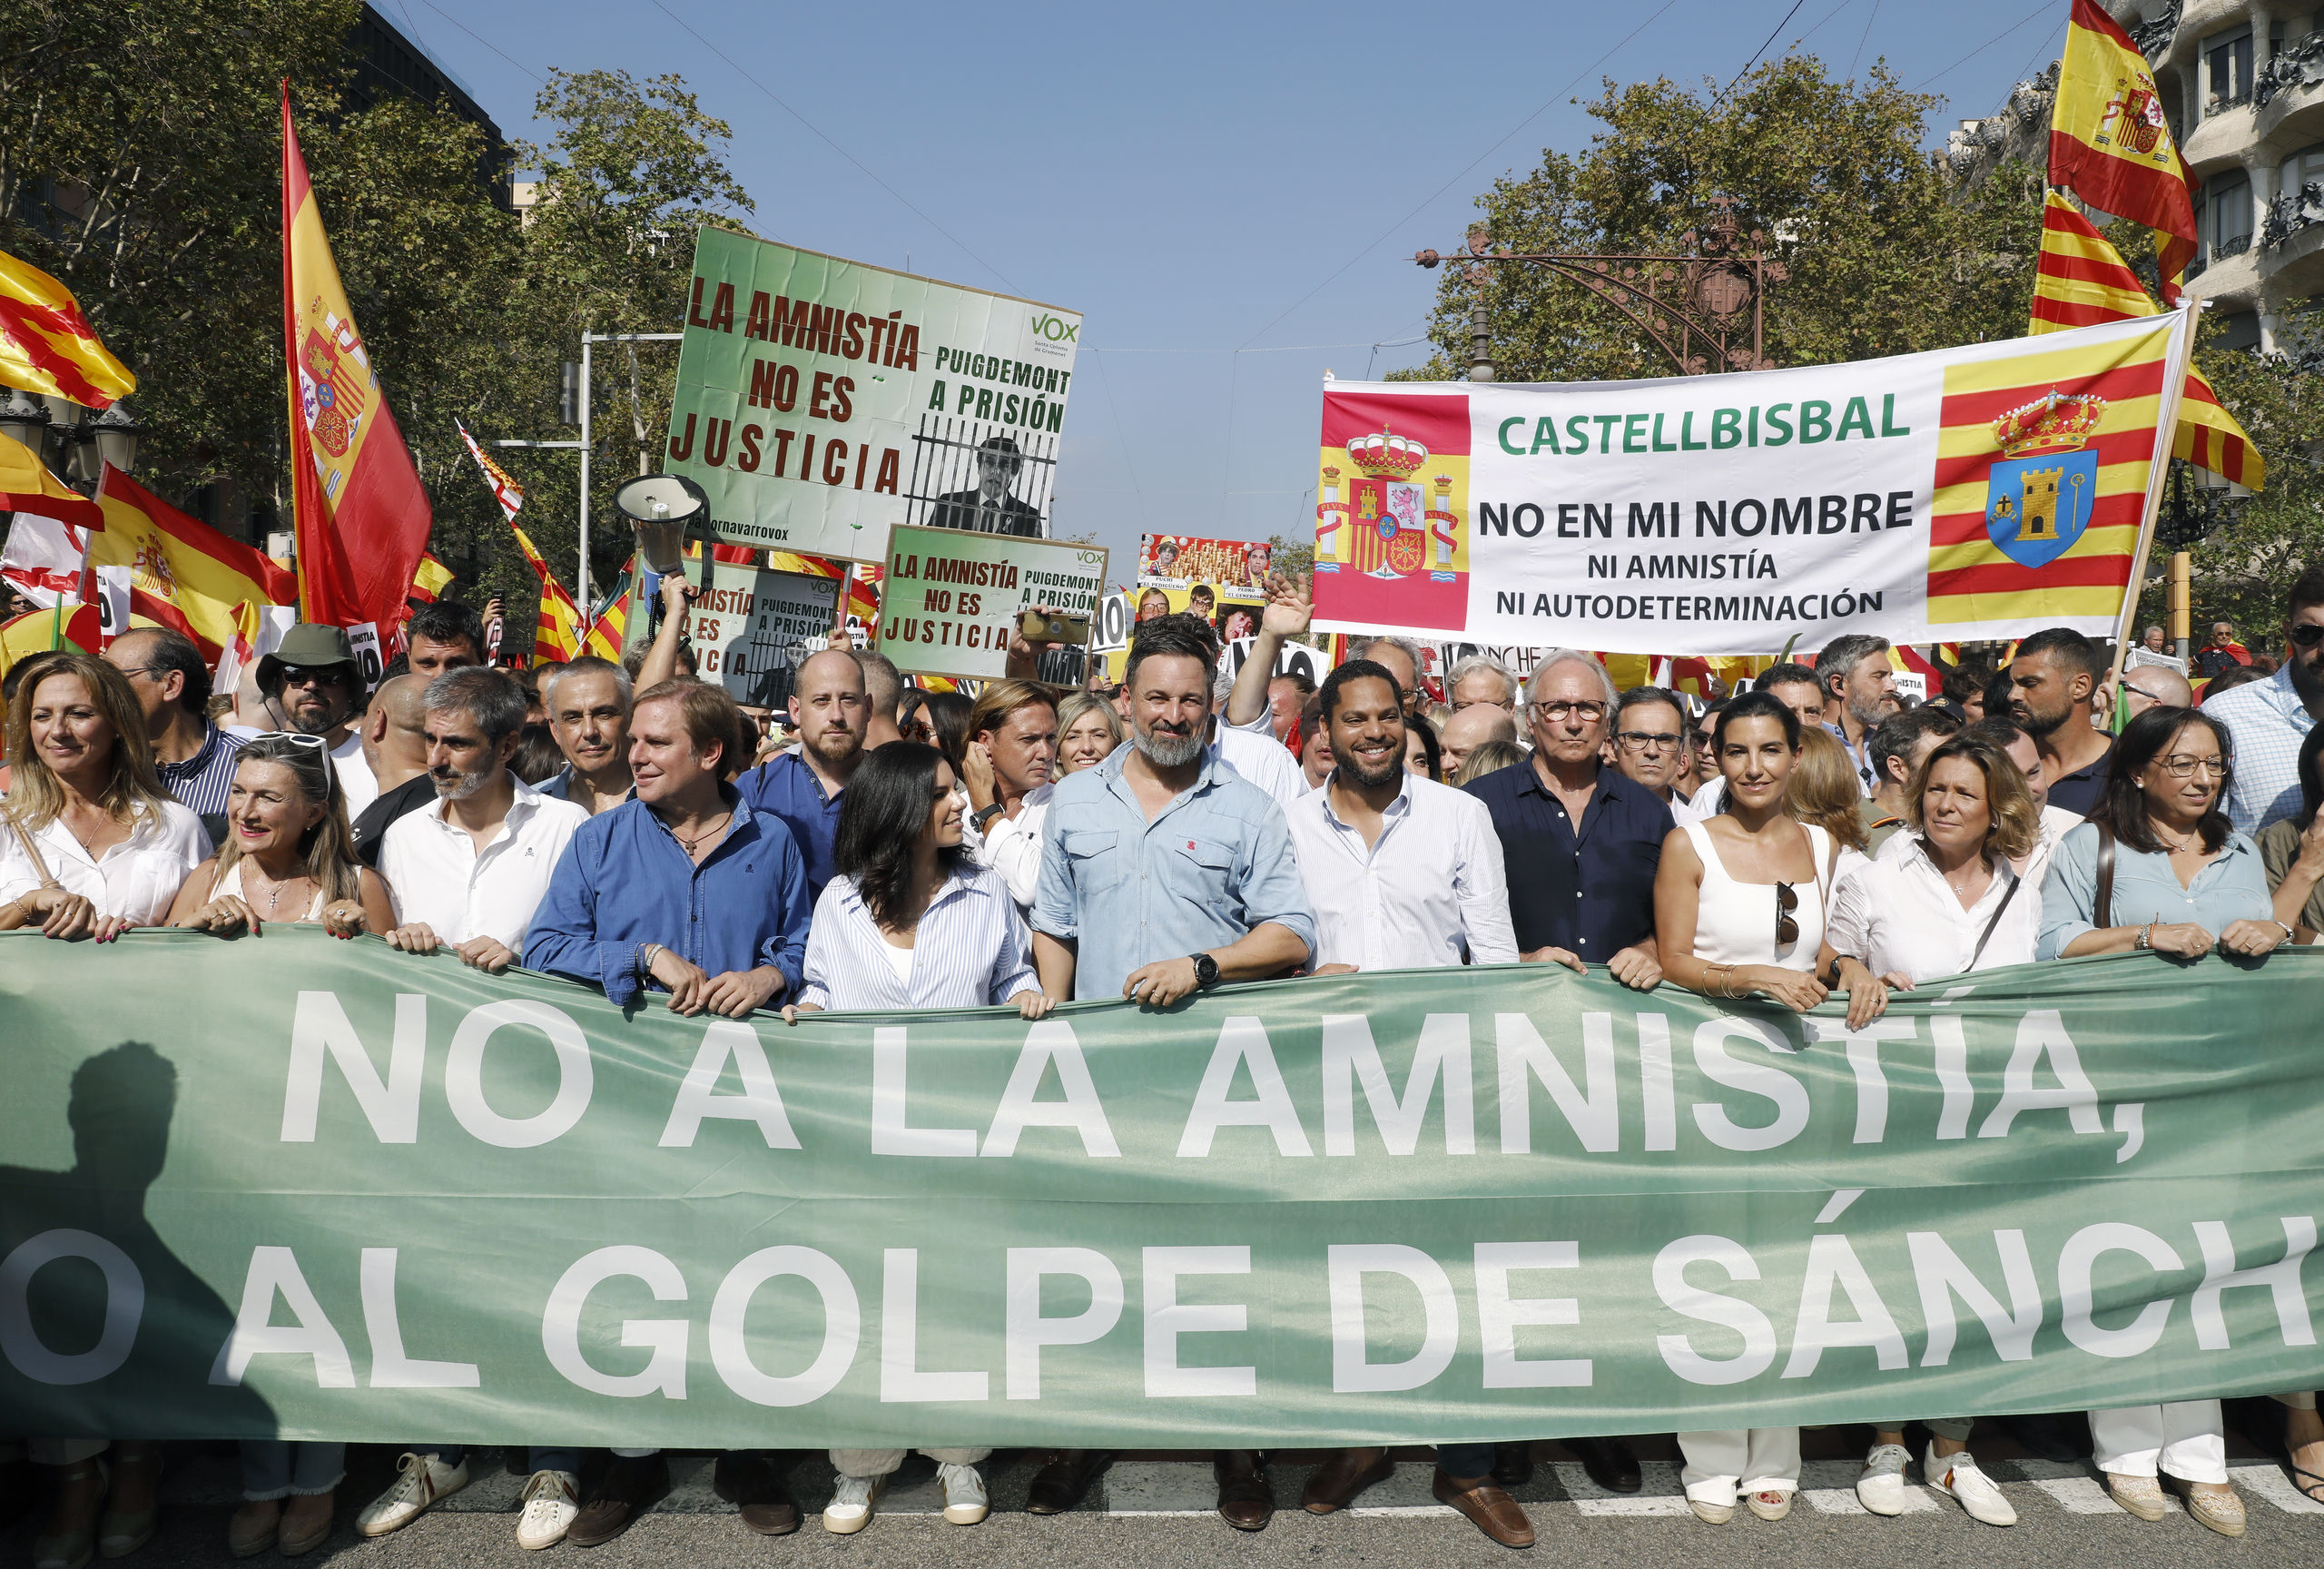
{"type": "Point", "coordinates": [2176, 361]}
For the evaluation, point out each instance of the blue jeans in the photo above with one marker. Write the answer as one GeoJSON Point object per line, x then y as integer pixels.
{"type": "Point", "coordinates": [565, 1460]}
{"type": "Point", "coordinates": [273, 1469]}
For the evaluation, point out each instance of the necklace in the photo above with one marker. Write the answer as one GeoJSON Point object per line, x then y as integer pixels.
{"type": "Point", "coordinates": [2184, 843]}
{"type": "Point", "coordinates": [274, 897]}
{"type": "Point", "coordinates": [690, 845]}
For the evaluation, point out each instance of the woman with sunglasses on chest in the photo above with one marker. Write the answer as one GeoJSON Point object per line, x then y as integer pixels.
{"type": "Point", "coordinates": [1740, 904]}
{"type": "Point", "coordinates": [2158, 870]}
{"type": "Point", "coordinates": [287, 856]}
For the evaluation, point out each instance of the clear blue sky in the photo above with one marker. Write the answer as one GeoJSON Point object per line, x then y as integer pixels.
{"type": "Point", "coordinates": [1197, 178]}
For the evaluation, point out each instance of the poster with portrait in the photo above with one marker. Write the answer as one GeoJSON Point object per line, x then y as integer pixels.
{"type": "Point", "coordinates": [1182, 561]}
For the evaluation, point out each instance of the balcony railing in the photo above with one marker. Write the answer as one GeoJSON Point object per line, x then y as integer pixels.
{"type": "Point", "coordinates": [2154, 38]}
{"type": "Point", "coordinates": [2292, 212]}
{"type": "Point", "coordinates": [2295, 65]}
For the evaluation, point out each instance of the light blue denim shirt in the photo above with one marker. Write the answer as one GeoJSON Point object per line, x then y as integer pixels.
{"type": "Point", "coordinates": [1215, 862]}
{"type": "Point", "coordinates": [2232, 888]}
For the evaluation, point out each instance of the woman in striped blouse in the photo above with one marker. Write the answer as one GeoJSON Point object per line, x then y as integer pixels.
{"type": "Point", "coordinates": [909, 921]}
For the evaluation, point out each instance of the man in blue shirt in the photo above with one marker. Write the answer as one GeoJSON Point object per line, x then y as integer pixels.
{"type": "Point", "coordinates": [1164, 873]}
{"type": "Point", "coordinates": [802, 787]}
{"type": "Point", "coordinates": [683, 885]}
{"type": "Point", "coordinates": [1581, 842]}
{"type": "Point", "coordinates": [2267, 720]}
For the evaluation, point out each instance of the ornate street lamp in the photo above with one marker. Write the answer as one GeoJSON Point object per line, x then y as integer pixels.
{"type": "Point", "coordinates": [1704, 308]}
{"type": "Point", "coordinates": [22, 417]}
{"type": "Point", "coordinates": [111, 438]}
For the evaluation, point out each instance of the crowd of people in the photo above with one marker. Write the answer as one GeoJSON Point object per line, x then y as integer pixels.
{"type": "Point", "coordinates": [1183, 831]}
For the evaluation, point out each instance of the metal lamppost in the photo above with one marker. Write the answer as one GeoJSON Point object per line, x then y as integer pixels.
{"type": "Point", "coordinates": [75, 448]}
{"type": "Point", "coordinates": [1705, 308]}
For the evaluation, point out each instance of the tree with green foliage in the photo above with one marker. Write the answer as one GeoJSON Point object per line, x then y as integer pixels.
{"type": "Point", "coordinates": [1884, 255]}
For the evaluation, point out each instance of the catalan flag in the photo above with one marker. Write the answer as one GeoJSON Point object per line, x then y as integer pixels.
{"type": "Point", "coordinates": [2111, 142]}
{"type": "Point", "coordinates": [612, 626]}
{"type": "Point", "coordinates": [2045, 461]}
{"type": "Point", "coordinates": [47, 346]}
{"type": "Point", "coordinates": [181, 573]}
{"type": "Point", "coordinates": [1906, 660]}
{"type": "Point", "coordinates": [505, 490]}
{"type": "Point", "coordinates": [2081, 281]}
{"type": "Point", "coordinates": [556, 632]}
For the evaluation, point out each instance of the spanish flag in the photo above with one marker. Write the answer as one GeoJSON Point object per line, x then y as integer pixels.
{"type": "Point", "coordinates": [556, 632]}
{"type": "Point", "coordinates": [2045, 463]}
{"type": "Point", "coordinates": [2081, 281]}
{"type": "Point", "coordinates": [362, 517]}
{"type": "Point", "coordinates": [181, 573]}
{"type": "Point", "coordinates": [428, 583]}
{"type": "Point", "coordinates": [2110, 143]}
{"type": "Point", "coordinates": [47, 346]}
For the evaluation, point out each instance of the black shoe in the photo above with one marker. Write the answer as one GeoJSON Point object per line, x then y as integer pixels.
{"type": "Point", "coordinates": [1609, 1461]}
{"type": "Point", "coordinates": [1064, 1480]}
{"type": "Point", "coordinates": [631, 1486]}
{"type": "Point", "coordinates": [1512, 1465]}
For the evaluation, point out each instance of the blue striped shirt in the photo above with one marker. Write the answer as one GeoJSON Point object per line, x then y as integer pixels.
{"type": "Point", "coordinates": [969, 949]}
{"type": "Point", "coordinates": [199, 784]}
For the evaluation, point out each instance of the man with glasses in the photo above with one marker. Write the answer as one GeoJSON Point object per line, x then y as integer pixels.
{"type": "Point", "coordinates": [2221, 654]}
{"type": "Point", "coordinates": [1650, 739]}
{"type": "Point", "coordinates": [1580, 841]}
{"type": "Point", "coordinates": [2267, 720]}
{"type": "Point", "coordinates": [312, 677]}
{"type": "Point", "coordinates": [2146, 686]}
{"type": "Point", "coordinates": [194, 758]}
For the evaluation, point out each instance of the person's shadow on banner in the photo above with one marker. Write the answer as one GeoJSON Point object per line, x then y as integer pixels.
{"type": "Point", "coordinates": [104, 1332]}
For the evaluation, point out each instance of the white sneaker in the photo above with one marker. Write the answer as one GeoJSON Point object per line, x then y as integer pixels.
{"type": "Point", "coordinates": [964, 1500]}
{"type": "Point", "coordinates": [552, 1499]}
{"type": "Point", "coordinates": [424, 1479]}
{"type": "Point", "coordinates": [851, 1508]}
{"type": "Point", "coordinates": [1957, 1477]}
{"type": "Point", "coordinates": [1880, 1488]}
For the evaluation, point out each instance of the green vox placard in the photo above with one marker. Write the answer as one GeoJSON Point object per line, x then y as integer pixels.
{"type": "Point", "coordinates": [319, 1188]}
{"type": "Point", "coordinates": [820, 403]}
{"type": "Point", "coordinates": [950, 601]}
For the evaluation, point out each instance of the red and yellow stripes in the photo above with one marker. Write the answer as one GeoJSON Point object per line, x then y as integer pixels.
{"type": "Point", "coordinates": [2111, 141]}
{"type": "Point", "coordinates": [556, 632]}
{"type": "Point", "coordinates": [2081, 281]}
{"type": "Point", "coordinates": [47, 346]}
{"type": "Point", "coordinates": [1970, 579]}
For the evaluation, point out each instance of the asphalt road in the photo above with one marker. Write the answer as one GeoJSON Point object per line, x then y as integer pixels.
{"type": "Point", "coordinates": [1152, 1511]}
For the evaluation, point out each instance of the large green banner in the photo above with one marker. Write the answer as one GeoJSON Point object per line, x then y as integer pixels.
{"type": "Point", "coordinates": [317, 1188]}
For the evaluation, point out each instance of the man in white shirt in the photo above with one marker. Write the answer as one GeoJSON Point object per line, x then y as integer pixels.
{"type": "Point", "coordinates": [1401, 872]}
{"type": "Point", "coordinates": [1010, 753]}
{"type": "Point", "coordinates": [468, 872]}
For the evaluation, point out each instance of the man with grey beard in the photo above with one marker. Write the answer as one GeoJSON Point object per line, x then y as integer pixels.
{"type": "Point", "coordinates": [468, 872]}
{"type": "Point", "coordinates": [1163, 874]}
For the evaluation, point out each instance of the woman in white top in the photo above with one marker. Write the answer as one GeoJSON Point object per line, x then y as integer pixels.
{"type": "Point", "coordinates": [93, 844]}
{"type": "Point", "coordinates": [1941, 899]}
{"type": "Point", "coordinates": [1738, 912]}
{"type": "Point", "coordinates": [90, 845]}
{"type": "Point", "coordinates": [908, 920]}
{"type": "Point", "coordinates": [287, 854]}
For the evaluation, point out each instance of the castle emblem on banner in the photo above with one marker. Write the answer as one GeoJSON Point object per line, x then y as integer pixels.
{"type": "Point", "coordinates": [2039, 497]}
{"type": "Point", "coordinates": [1388, 527]}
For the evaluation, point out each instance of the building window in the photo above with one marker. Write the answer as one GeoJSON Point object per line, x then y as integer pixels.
{"type": "Point", "coordinates": [2226, 66]}
{"type": "Point", "coordinates": [2227, 213]}
{"type": "Point", "coordinates": [2241, 330]}
{"type": "Point", "coordinates": [2300, 168]}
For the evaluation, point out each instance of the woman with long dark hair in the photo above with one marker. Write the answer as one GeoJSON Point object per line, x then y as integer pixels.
{"type": "Point", "coordinates": [2158, 869]}
{"type": "Point", "coordinates": [908, 920]}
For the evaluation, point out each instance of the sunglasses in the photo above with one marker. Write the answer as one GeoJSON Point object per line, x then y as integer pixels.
{"type": "Point", "coordinates": [1786, 928]}
{"type": "Point", "coordinates": [2308, 634]}
{"type": "Point", "coordinates": [295, 737]}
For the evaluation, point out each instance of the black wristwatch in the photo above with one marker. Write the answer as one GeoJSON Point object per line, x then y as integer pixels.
{"type": "Point", "coordinates": [1206, 970]}
{"type": "Point", "coordinates": [985, 815]}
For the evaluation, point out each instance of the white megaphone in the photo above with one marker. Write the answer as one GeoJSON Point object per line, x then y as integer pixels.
{"type": "Point", "coordinates": [659, 507]}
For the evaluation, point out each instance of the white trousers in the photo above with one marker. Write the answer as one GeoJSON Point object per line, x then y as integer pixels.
{"type": "Point", "coordinates": [2304, 1400]}
{"type": "Point", "coordinates": [1735, 1460]}
{"type": "Point", "coordinates": [2186, 1438]}
{"type": "Point", "coordinates": [881, 1461]}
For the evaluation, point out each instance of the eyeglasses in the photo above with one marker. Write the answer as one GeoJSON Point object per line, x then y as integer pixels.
{"type": "Point", "coordinates": [1559, 709]}
{"type": "Point", "coordinates": [2134, 687]}
{"type": "Point", "coordinates": [1640, 740]}
{"type": "Point", "coordinates": [294, 737]}
{"type": "Point", "coordinates": [2308, 634]}
{"type": "Point", "coordinates": [2184, 767]}
{"type": "Point", "coordinates": [1786, 928]}
{"type": "Point", "coordinates": [141, 670]}
{"type": "Point", "coordinates": [327, 676]}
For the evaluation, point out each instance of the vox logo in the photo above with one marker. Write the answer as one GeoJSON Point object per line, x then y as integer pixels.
{"type": "Point", "coordinates": [1057, 329]}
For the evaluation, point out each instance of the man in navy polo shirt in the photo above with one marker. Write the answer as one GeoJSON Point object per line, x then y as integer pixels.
{"type": "Point", "coordinates": [1580, 842]}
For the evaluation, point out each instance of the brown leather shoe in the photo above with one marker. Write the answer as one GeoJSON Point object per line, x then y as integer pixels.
{"type": "Point", "coordinates": [1338, 1480]}
{"type": "Point", "coordinates": [1245, 1501]}
{"type": "Point", "coordinates": [750, 1479]}
{"type": "Point", "coordinates": [1064, 1479]}
{"type": "Point", "coordinates": [1494, 1512]}
{"type": "Point", "coordinates": [631, 1486]}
